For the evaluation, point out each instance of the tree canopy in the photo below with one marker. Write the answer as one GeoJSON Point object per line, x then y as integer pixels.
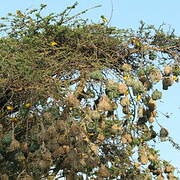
{"type": "Point", "coordinates": [79, 99]}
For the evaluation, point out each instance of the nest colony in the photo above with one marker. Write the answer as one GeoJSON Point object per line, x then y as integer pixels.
{"type": "Point", "coordinates": [82, 98]}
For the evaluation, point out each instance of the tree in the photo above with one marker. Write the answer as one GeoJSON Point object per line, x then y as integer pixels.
{"type": "Point", "coordinates": [79, 99]}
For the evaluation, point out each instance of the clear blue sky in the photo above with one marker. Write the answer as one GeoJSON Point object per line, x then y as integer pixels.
{"type": "Point", "coordinates": [127, 14]}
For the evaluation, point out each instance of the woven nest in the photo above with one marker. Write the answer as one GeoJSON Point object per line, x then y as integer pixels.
{"type": "Point", "coordinates": [59, 104]}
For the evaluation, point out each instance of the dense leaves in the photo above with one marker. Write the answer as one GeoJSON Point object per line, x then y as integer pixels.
{"type": "Point", "coordinates": [81, 99]}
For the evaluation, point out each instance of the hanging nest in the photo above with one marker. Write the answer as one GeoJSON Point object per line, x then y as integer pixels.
{"type": "Point", "coordinates": [103, 171]}
{"type": "Point", "coordinates": [167, 70]}
{"type": "Point", "coordinates": [155, 75]}
{"type": "Point", "coordinates": [46, 155]}
{"type": "Point", "coordinates": [115, 128]}
{"type": "Point", "coordinates": [51, 131]}
{"type": "Point", "coordinates": [15, 145]}
{"type": "Point", "coordinates": [72, 101]}
{"type": "Point", "coordinates": [126, 67]}
{"type": "Point", "coordinates": [24, 147]}
{"type": "Point", "coordinates": [95, 115]}
{"type": "Point", "coordinates": [112, 89]}
{"type": "Point", "coordinates": [94, 148]}
{"type": "Point", "coordinates": [130, 81]}
{"type": "Point", "coordinates": [97, 75]}
{"type": "Point", "coordinates": [100, 138]}
{"type": "Point", "coordinates": [138, 87]}
{"type": "Point", "coordinates": [171, 176]}
{"type": "Point", "coordinates": [143, 159]}
{"type": "Point", "coordinates": [148, 85]}
{"type": "Point", "coordinates": [75, 129]}
{"type": "Point", "coordinates": [59, 152]}
{"type": "Point", "coordinates": [169, 168]}
{"type": "Point", "coordinates": [104, 104]}
{"type": "Point", "coordinates": [62, 139]}
{"type": "Point", "coordinates": [151, 104]}
{"type": "Point", "coordinates": [20, 157]}
{"type": "Point", "coordinates": [156, 95]}
{"type": "Point", "coordinates": [6, 139]}
{"type": "Point", "coordinates": [125, 101]}
{"type": "Point", "coordinates": [122, 88]}
{"type": "Point", "coordinates": [44, 165]}
{"type": "Point", "coordinates": [152, 157]}
{"type": "Point", "coordinates": [167, 81]}
{"type": "Point", "coordinates": [126, 138]}
{"type": "Point", "coordinates": [140, 112]}
{"type": "Point", "coordinates": [163, 132]}
{"type": "Point", "coordinates": [61, 126]}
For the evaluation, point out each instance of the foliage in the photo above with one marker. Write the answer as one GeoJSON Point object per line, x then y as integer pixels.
{"type": "Point", "coordinates": [79, 98]}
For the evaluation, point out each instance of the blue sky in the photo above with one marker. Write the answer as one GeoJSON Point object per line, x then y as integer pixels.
{"type": "Point", "coordinates": [127, 14]}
